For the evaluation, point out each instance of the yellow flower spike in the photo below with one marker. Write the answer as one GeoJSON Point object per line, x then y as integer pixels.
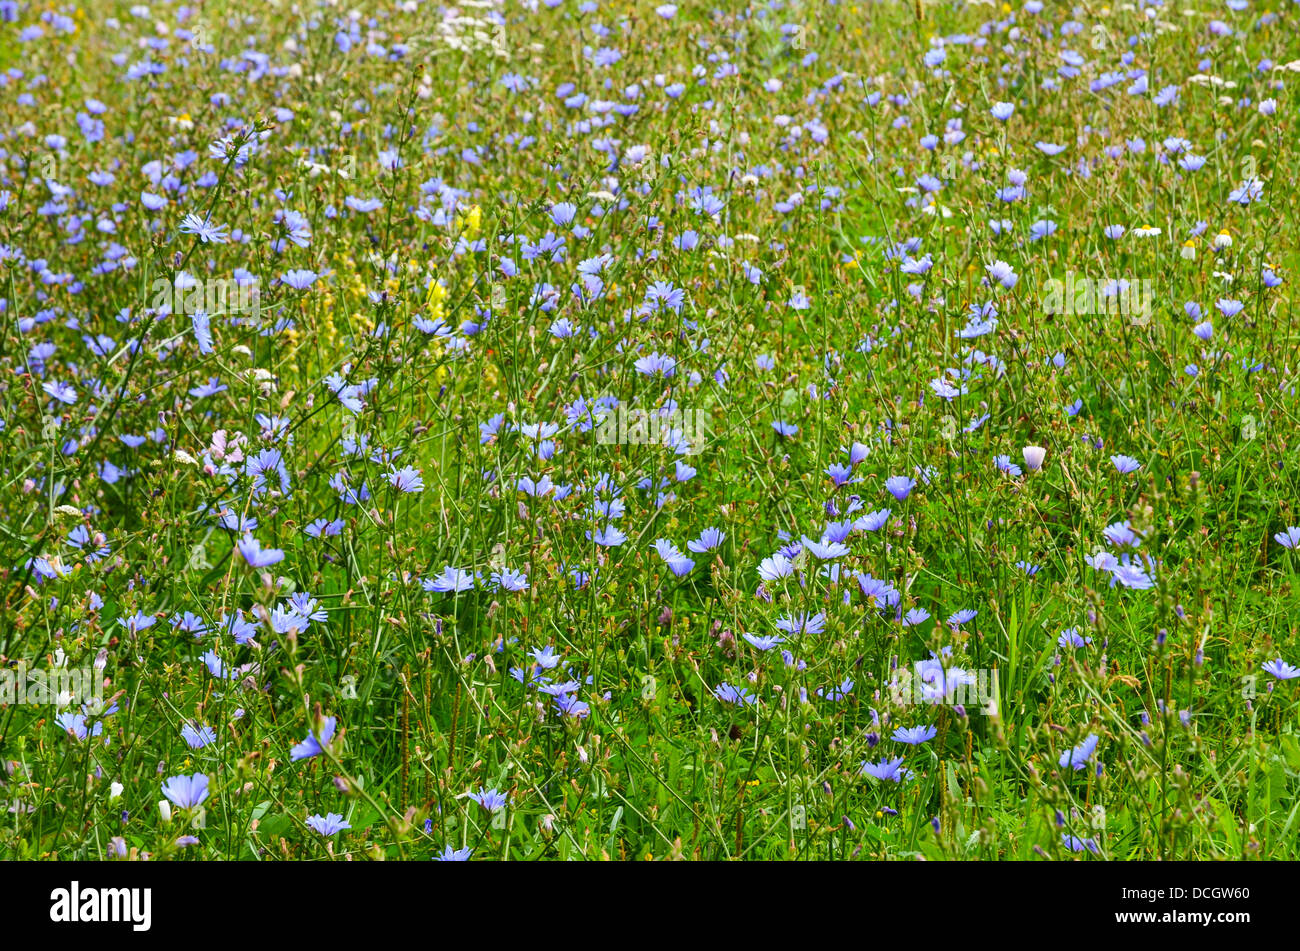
{"type": "Point", "coordinates": [437, 294]}
{"type": "Point", "coordinates": [470, 221]}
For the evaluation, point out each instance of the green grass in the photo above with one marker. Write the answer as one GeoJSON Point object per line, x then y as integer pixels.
{"type": "Point", "coordinates": [1196, 755]}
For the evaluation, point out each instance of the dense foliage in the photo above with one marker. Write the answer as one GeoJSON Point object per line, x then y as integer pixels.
{"type": "Point", "coordinates": [586, 429]}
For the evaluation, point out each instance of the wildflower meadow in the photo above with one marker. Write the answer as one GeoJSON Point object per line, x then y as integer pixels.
{"type": "Point", "coordinates": [577, 429]}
